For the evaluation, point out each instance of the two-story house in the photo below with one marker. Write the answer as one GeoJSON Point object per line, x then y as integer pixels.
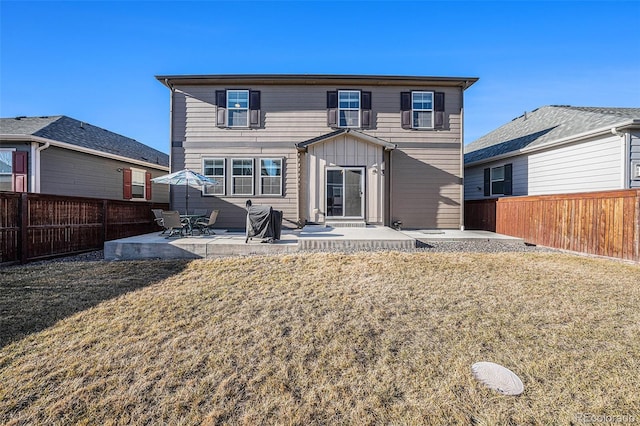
{"type": "Point", "coordinates": [333, 149]}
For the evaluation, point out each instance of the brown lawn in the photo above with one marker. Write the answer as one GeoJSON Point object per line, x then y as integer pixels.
{"type": "Point", "coordinates": [365, 338]}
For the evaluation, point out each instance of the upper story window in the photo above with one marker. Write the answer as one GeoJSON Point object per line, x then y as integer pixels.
{"type": "Point", "coordinates": [242, 176]}
{"type": "Point", "coordinates": [238, 108]}
{"type": "Point", "coordinates": [138, 179]}
{"type": "Point", "coordinates": [271, 176]}
{"type": "Point", "coordinates": [6, 169]}
{"type": "Point", "coordinates": [214, 169]}
{"type": "Point", "coordinates": [349, 108]}
{"type": "Point", "coordinates": [422, 109]}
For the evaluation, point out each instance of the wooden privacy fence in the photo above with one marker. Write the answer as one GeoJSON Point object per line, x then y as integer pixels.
{"type": "Point", "coordinates": [39, 226]}
{"type": "Point", "coordinates": [480, 214]}
{"type": "Point", "coordinates": [600, 223]}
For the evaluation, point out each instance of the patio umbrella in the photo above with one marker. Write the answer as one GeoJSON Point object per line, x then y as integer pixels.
{"type": "Point", "coordinates": [187, 178]}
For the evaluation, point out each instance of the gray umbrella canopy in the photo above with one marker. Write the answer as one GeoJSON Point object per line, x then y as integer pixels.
{"type": "Point", "coordinates": [187, 178]}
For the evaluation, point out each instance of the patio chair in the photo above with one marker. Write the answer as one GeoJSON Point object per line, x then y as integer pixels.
{"type": "Point", "coordinates": [205, 225]}
{"type": "Point", "coordinates": [157, 213]}
{"type": "Point", "coordinates": [172, 223]}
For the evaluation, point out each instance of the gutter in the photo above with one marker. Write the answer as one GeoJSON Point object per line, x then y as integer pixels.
{"type": "Point", "coordinates": [559, 142]}
{"type": "Point", "coordinates": [51, 142]}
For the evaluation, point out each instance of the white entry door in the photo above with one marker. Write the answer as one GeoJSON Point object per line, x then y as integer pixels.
{"type": "Point", "coordinates": [345, 192]}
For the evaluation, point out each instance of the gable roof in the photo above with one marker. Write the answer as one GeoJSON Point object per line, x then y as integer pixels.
{"type": "Point", "coordinates": [548, 125]}
{"type": "Point", "coordinates": [70, 131]}
{"type": "Point", "coordinates": [302, 146]}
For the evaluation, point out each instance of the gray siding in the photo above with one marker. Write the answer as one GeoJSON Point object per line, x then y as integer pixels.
{"type": "Point", "coordinates": [66, 172]}
{"type": "Point", "coordinates": [295, 113]}
{"type": "Point", "coordinates": [592, 165]}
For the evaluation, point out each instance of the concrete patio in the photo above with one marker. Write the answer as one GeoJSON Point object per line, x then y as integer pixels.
{"type": "Point", "coordinates": [311, 237]}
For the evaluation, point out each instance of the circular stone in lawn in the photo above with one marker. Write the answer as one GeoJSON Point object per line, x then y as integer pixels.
{"type": "Point", "coordinates": [498, 378]}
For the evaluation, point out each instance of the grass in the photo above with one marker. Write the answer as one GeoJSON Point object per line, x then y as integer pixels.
{"type": "Point", "coordinates": [366, 338]}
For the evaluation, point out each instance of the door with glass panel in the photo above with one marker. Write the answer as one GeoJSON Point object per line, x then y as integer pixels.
{"type": "Point", "coordinates": [345, 192]}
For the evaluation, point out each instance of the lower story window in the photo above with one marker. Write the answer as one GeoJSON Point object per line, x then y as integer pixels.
{"type": "Point", "coordinates": [271, 176]}
{"type": "Point", "coordinates": [242, 176]}
{"type": "Point", "coordinates": [214, 170]}
{"type": "Point", "coordinates": [137, 183]}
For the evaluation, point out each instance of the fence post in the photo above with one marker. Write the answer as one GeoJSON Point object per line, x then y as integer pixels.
{"type": "Point", "coordinates": [23, 224]}
{"type": "Point", "coordinates": [636, 243]}
{"type": "Point", "coordinates": [105, 209]}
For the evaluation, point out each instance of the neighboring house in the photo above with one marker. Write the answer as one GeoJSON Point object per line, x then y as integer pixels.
{"type": "Point", "coordinates": [556, 149]}
{"type": "Point", "coordinates": [337, 149]}
{"type": "Point", "coordinates": [63, 156]}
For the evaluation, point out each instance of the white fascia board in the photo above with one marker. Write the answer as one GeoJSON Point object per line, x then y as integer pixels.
{"type": "Point", "coordinates": [38, 139]}
{"type": "Point", "coordinates": [559, 142]}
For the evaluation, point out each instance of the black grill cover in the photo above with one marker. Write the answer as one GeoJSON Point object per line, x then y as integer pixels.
{"type": "Point", "coordinates": [259, 222]}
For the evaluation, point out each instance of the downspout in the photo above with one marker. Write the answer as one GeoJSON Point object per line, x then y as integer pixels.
{"type": "Point", "coordinates": [36, 169]}
{"type": "Point", "coordinates": [462, 156]}
{"type": "Point", "coordinates": [625, 157]}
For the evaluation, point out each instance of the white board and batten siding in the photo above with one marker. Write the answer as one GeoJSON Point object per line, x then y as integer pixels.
{"type": "Point", "coordinates": [428, 197]}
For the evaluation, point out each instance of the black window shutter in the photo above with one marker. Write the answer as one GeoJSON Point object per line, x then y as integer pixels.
{"type": "Point", "coordinates": [365, 106]}
{"type": "Point", "coordinates": [332, 109]}
{"type": "Point", "coordinates": [487, 182]}
{"type": "Point", "coordinates": [254, 108]}
{"type": "Point", "coordinates": [508, 179]}
{"type": "Point", "coordinates": [332, 99]}
{"type": "Point", "coordinates": [221, 110]}
{"type": "Point", "coordinates": [405, 108]}
{"type": "Point", "coordinates": [438, 106]}
{"type": "Point", "coordinates": [405, 101]}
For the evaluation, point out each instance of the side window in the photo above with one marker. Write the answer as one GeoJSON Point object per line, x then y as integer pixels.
{"type": "Point", "coordinates": [214, 169]}
{"type": "Point", "coordinates": [6, 169]}
{"type": "Point", "coordinates": [271, 176]}
{"type": "Point", "coordinates": [498, 180]}
{"type": "Point", "coordinates": [242, 176]}
{"type": "Point", "coordinates": [138, 178]}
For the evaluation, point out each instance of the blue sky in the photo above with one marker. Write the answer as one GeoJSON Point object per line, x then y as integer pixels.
{"type": "Point", "coordinates": [96, 61]}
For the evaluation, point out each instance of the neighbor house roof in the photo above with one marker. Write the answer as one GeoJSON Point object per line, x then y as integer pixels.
{"type": "Point", "coordinates": [317, 79]}
{"type": "Point", "coordinates": [548, 125]}
{"type": "Point", "coordinates": [76, 133]}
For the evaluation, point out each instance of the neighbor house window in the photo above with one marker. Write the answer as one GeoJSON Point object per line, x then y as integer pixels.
{"type": "Point", "coordinates": [138, 178]}
{"type": "Point", "coordinates": [214, 169]}
{"type": "Point", "coordinates": [242, 176]}
{"type": "Point", "coordinates": [271, 176]}
{"type": "Point", "coordinates": [6, 169]}
{"type": "Point", "coordinates": [498, 180]}
{"type": "Point", "coordinates": [238, 108]}
{"type": "Point", "coordinates": [422, 110]}
{"type": "Point", "coordinates": [349, 108]}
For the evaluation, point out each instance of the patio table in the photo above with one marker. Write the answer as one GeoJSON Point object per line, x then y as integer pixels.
{"type": "Point", "coordinates": [190, 219]}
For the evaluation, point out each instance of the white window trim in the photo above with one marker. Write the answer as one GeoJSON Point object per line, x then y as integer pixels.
{"type": "Point", "coordinates": [253, 173]}
{"type": "Point", "coordinates": [260, 160]}
{"type": "Point", "coordinates": [432, 110]}
{"type": "Point", "coordinates": [222, 177]}
{"type": "Point", "coordinates": [229, 109]}
{"type": "Point", "coordinates": [11, 150]}
{"type": "Point", "coordinates": [144, 184]}
{"type": "Point", "coordinates": [359, 109]}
